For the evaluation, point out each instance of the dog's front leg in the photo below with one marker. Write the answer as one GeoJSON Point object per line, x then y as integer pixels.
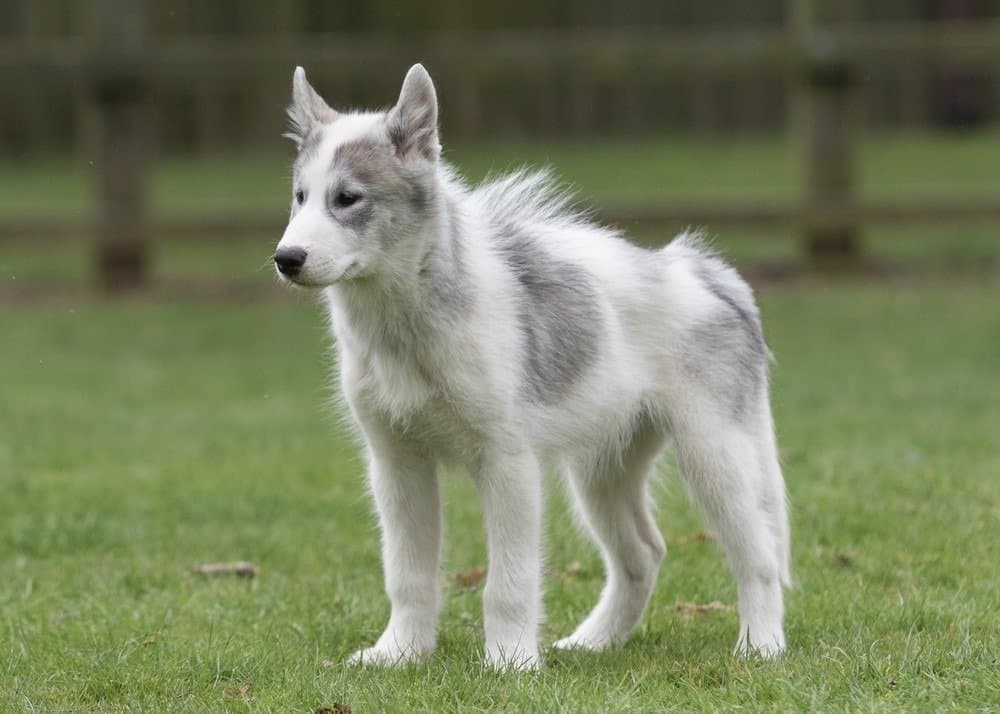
{"type": "Point", "coordinates": [511, 490]}
{"type": "Point", "coordinates": [405, 488]}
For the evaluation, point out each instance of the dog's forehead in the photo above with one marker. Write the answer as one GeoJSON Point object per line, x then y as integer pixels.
{"type": "Point", "coordinates": [321, 145]}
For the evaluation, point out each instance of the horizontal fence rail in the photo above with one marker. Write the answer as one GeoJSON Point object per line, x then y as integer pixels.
{"type": "Point", "coordinates": [673, 216]}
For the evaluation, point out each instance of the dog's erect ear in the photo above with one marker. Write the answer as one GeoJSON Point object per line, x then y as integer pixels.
{"type": "Point", "coordinates": [412, 123]}
{"type": "Point", "coordinates": [307, 108]}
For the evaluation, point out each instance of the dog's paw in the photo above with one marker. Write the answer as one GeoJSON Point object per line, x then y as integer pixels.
{"type": "Point", "coordinates": [518, 660]}
{"type": "Point", "coordinates": [585, 641]}
{"type": "Point", "coordinates": [767, 647]}
{"type": "Point", "coordinates": [576, 642]}
{"type": "Point", "coordinates": [383, 657]}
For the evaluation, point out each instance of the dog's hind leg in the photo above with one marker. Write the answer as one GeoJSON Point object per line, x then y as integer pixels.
{"type": "Point", "coordinates": [772, 494]}
{"type": "Point", "coordinates": [720, 462]}
{"type": "Point", "coordinates": [613, 500]}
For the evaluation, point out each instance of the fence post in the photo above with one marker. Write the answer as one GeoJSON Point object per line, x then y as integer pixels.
{"type": "Point", "coordinates": [119, 90]}
{"type": "Point", "coordinates": [823, 115]}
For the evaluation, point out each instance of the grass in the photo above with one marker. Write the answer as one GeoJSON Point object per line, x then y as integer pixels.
{"type": "Point", "coordinates": [138, 440]}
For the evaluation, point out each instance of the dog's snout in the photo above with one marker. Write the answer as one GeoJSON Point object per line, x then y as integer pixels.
{"type": "Point", "coordinates": [290, 260]}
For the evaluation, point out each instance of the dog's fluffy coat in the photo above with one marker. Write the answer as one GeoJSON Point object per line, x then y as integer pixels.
{"type": "Point", "coordinates": [498, 329]}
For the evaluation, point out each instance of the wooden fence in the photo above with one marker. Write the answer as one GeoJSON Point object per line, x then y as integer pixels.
{"type": "Point", "coordinates": [117, 70]}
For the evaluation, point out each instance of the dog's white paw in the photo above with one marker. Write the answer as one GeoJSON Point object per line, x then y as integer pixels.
{"type": "Point", "coordinates": [593, 635]}
{"type": "Point", "coordinates": [767, 646]}
{"type": "Point", "coordinates": [383, 657]}
{"type": "Point", "coordinates": [517, 660]}
{"type": "Point", "coordinates": [578, 641]}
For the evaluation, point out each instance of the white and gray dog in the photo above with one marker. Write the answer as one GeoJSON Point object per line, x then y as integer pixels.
{"type": "Point", "coordinates": [497, 329]}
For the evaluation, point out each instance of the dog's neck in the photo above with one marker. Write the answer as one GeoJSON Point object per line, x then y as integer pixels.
{"type": "Point", "coordinates": [402, 308]}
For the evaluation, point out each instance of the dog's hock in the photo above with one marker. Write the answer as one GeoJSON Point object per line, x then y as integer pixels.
{"type": "Point", "coordinates": [307, 108]}
{"type": "Point", "coordinates": [412, 123]}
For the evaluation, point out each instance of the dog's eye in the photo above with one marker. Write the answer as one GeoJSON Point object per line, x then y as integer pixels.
{"type": "Point", "coordinates": [345, 199]}
{"type": "Point", "coordinates": [300, 196]}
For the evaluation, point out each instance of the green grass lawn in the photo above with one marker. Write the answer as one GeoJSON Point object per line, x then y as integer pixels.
{"type": "Point", "coordinates": [138, 440]}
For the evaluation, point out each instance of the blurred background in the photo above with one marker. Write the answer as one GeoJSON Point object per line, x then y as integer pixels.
{"type": "Point", "coordinates": [164, 400]}
{"type": "Point", "coordinates": [140, 139]}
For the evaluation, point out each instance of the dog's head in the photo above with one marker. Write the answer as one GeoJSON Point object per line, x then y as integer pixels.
{"type": "Point", "coordinates": [363, 187]}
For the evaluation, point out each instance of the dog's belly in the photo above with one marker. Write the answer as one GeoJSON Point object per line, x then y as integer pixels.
{"type": "Point", "coordinates": [423, 406]}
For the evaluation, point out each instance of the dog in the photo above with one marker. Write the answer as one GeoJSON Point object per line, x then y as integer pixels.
{"type": "Point", "coordinates": [499, 329]}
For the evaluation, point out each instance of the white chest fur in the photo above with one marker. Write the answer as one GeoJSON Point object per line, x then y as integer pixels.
{"type": "Point", "coordinates": [412, 398]}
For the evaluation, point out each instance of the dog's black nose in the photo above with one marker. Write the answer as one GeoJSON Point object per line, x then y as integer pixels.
{"type": "Point", "coordinates": [290, 260]}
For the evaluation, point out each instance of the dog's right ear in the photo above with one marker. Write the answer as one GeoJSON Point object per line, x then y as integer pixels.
{"type": "Point", "coordinates": [412, 123]}
{"type": "Point", "coordinates": [306, 110]}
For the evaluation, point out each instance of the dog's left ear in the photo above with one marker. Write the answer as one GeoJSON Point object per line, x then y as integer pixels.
{"type": "Point", "coordinates": [412, 123]}
{"type": "Point", "coordinates": [307, 108]}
